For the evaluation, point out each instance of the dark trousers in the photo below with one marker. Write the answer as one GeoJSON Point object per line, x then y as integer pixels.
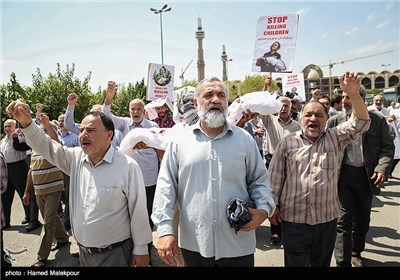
{"type": "Point", "coordinates": [393, 166]}
{"type": "Point", "coordinates": [355, 210]}
{"type": "Point", "coordinates": [117, 257]}
{"type": "Point", "coordinates": [276, 229]}
{"type": "Point", "coordinates": [195, 259]}
{"type": "Point", "coordinates": [33, 208]}
{"type": "Point", "coordinates": [150, 192]}
{"type": "Point", "coordinates": [308, 245]}
{"type": "Point", "coordinates": [17, 173]}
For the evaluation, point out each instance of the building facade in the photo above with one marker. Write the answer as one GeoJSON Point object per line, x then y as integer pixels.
{"type": "Point", "coordinates": [386, 81]}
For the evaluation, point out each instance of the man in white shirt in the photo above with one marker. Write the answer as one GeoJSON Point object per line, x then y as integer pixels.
{"type": "Point", "coordinates": [107, 197]}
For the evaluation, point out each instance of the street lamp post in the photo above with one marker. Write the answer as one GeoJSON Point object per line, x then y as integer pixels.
{"type": "Point", "coordinates": [165, 8]}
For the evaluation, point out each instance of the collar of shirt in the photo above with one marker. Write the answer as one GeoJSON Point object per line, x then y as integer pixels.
{"type": "Point", "coordinates": [227, 128]}
{"type": "Point", "coordinates": [107, 157]}
{"type": "Point", "coordinates": [132, 123]}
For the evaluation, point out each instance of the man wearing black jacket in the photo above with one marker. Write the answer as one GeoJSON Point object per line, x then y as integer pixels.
{"type": "Point", "coordinates": [365, 167]}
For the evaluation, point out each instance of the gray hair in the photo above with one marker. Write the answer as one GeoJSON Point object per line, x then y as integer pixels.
{"type": "Point", "coordinates": [285, 99]}
{"type": "Point", "coordinates": [207, 80]}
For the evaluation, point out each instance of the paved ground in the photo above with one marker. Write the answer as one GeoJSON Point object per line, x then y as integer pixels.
{"type": "Point", "coordinates": [382, 248]}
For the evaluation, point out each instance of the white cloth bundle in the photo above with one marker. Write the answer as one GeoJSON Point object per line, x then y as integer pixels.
{"type": "Point", "coordinates": [277, 63]}
{"type": "Point", "coordinates": [153, 137]}
{"type": "Point", "coordinates": [261, 102]}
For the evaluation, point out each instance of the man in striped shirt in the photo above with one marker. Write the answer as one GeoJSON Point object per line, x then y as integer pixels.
{"type": "Point", "coordinates": [304, 175]}
{"type": "Point", "coordinates": [48, 183]}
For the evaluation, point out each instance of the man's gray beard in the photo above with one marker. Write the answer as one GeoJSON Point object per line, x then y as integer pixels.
{"type": "Point", "coordinates": [311, 134]}
{"type": "Point", "coordinates": [212, 119]}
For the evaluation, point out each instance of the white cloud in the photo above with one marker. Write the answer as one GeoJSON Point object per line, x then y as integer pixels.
{"type": "Point", "coordinates": [383, 24]}
{"type": "Point", "coordinates": [352, 31]}
{"type": "Point", "coordinates": [374, 47]}
{"type": "Point", "coordinates": [370, 17]}
{"type": "Point", "coordinates": [389, 5]}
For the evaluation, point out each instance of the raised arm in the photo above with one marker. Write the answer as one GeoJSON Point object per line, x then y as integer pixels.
{"type": "Point", "coordinates": [39, 109]}
{"type": "Point", "coordinates": [44, 120]}
{"type": "Point", "coordinates": [19, 146]}
{"type": "Point", "coordinates": [351, 85]}
{"type": "Point", "coordinates": [36, 138]}
{"type": "Point", "coordinates": [21, 112]}
{"type": "Point", "coordinates": [111, 91]}
{"type": "Point", "coordinates": [267, 83]}
{"type": "Point", "coordinates": [69, 122]}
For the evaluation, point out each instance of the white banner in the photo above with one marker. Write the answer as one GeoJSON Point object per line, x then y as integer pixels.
{"type": "Point", "coordinates": [160, 81]}
{"type": "Point", "coordinates": [293, 85]}
{"type": "Point", "coordinates": [275, 43]}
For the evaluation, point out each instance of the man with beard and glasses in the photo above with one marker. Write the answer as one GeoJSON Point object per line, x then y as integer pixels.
{"type": "Point", "coordinates": [204, 167]}
{"type": "Point", "coordinates": [304, 175]}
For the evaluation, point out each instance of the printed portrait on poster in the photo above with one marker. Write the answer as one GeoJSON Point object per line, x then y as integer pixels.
{"type": "Point", "coordinates": [160, 81]}
{"type": "Point", "coordinates": [275, 43]}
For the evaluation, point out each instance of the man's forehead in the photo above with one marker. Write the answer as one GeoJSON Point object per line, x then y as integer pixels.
{"type": "Point", "coordinates": [136, 103]}
{"type": "Point", "coordinates": [313, 106]}
{"type": "Point", "coordinates": [90, 119]}
{"type": "Point", "coordinates": [212, 86]}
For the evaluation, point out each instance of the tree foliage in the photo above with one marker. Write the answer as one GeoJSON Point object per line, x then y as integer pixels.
{"type": "Point", "coordinates": [125, 94]}
{"type": "Point", "coordinates": [52, 91]}
{"type": "Point", "coordinates": [251, 83]}
{"type": "Point", "coordinates": [186, 83]}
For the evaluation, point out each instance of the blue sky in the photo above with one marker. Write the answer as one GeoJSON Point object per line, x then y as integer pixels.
{"type": "Point", "coordinates": [117, 39]}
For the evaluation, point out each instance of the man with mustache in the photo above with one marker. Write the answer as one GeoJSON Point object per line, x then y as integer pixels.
{"type": "Point", "coordinates": [364, 168]}
{"type": "Point", "coordinates": [107, 196]}
{"type": "Point", "coordinates": [304, 175]}
{"type": "Point", "coordinates": [203, 168]}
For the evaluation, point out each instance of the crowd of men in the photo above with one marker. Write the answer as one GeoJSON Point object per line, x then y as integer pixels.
{"type": "Point", "coordinates": [311, 169]}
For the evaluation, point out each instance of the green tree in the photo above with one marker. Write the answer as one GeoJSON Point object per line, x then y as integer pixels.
{"type": "Point", "coordinates": [53, 90]}
{"type": "Point", "coordinates": [251, 83]}
{"type": "Point", "coordinates": [10, 92]}
{"type": "Point", "coordinates": [125, 94]}
{"type": "Point", "coordinates": [186, 83]}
